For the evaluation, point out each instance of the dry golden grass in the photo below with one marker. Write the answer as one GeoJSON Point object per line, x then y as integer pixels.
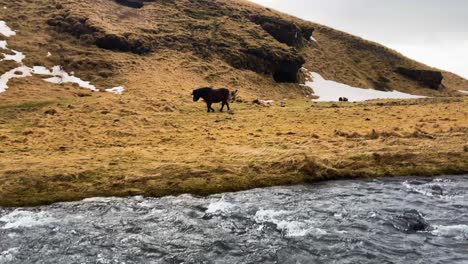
{"type": "Point", "coordinates": [68, 147]}
{"type": "Point", "coordinates": [59, 142]}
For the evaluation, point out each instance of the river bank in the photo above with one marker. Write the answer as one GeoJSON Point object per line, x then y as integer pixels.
{"type": "Point", "coordinates": [106, 146]}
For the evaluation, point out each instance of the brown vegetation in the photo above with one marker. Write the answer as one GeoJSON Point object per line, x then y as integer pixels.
{"type": "Point", "coordinates": [101, 145]}
{"type": "Point", "coordinates": [60, 142]}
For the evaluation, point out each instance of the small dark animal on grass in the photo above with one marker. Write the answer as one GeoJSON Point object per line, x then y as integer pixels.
{"type": "Point", "coordinates": [343, 99]}
{"type": "Point", "coordinates": [211, 96]}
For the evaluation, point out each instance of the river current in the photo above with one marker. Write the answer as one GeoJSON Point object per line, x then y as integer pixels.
{"type": "Point", "coordinates": [397, 220]}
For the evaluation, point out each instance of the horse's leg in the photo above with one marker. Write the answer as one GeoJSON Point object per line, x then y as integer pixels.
{"type": "Point", "coordinates": [210, 109]}
{"type": "Point", "coordinates": [227, 104]}
{"type": "Point", "coordinates": [222, 107]}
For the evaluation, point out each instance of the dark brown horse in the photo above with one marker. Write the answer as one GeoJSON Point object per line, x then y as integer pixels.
{"type": "Point", "coordinates": [211, 96]}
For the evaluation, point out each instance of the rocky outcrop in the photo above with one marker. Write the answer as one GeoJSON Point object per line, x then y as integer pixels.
{"type": "Point", "coordinates": [198, 27]}
{"type": "Point", "coordinates": [410, 221]}
{"type": "Point", "coordinates": [431, 79]}
{"type": "Point", "coordinates": [83, 29]}
{"type": "Point", "coordinates": [284, 31]}
{"type": "Point", "coordinates": [284, 66]}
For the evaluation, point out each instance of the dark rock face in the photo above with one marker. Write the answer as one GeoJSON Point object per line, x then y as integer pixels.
{"type": "Point", "coordinates": [283, 66]}
{"type": "Point", "coordinates": [432, 79]}
{"type": "Point", "coordinates": [131, 3]}
{"type": "Point", "coordinates": [284, 31]}
{"type": "Point", "coordinates": [136, 3]}
{"type": "Point", "coordinates": [122, 43]}
{"type": "Point", "coordinates": [85, 31]}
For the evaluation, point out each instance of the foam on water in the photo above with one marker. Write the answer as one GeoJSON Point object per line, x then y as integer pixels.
{"type": "Point", "coordinates": [432, 189]}
{"type": "Point", "coordinates": [21, 219]}
{"type": "Point", "coordinates": [101, 199]}
{"type": "Point", "coordinates": [331, 91]}
{"type": "Point", "coordinates": [291, 228]}
{"type": "Point", "coordinates": [219, 207]}
{"type": "Point", "coordinates": [419, 189]}
{"type": "Point", "coordinates": [8, 255]}
{"type": "Point", "coordinates": [456, 231]}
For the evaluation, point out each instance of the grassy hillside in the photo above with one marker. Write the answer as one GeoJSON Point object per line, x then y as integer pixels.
{"type": "Point", "coordinates": [61, 142]}
{"type": "Point", "coordinates": [222, 42]}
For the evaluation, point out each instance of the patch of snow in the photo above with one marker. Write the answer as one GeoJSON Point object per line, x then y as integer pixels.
{"type": "Point", "coordinates": [60, 76]}
{"type": "Point", "coordinates": [313, 39]}
{"type": "Point", "coordinates": [330, 91]}
{"type": "Point", "coordinates": [5, 30]}
{"type": "Point", "coordinates": [462, 91]}
{"type": "Point", "coordinates": [19, 72]}
{"type": "Point", "coordinates": [20, 218]}
{"type": "Point", "coordinates": [3, 44]}
{"type": "Point", "coordinates": [266, 101]}
{"type": "Point", "coordinates": [57, 74]}
{"type": "Point", "coordinates": [116, 90]}
{"type": "Point", "coordinates": [18, 56]}
{"type": "Point", "coordinates": [41, 70]}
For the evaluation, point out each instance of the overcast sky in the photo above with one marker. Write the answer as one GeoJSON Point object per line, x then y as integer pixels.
{"type": "Point", "coordinates": [434, 32]}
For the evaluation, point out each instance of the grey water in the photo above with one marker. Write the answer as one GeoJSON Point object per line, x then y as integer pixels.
{"type": "Point", "coordinates": [397, 220]}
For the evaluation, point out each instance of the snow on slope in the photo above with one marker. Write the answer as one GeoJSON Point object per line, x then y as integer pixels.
{"type": "Point", "coordinates": [57, 75]}
{"type": "Point", "coordinates": [332, 91]}
{"type": "Point", "coordinates": [5, 30]}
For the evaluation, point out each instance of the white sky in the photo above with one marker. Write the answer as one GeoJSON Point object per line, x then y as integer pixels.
{"type": "Point", "coordinates": [434, 32]}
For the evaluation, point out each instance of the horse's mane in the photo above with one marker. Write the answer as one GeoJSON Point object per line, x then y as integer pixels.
{"type": "Point", "coordinates": [202, 90]}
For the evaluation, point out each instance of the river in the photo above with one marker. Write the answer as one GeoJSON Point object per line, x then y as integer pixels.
{"type": "Point", "coordinates": [396, 220]}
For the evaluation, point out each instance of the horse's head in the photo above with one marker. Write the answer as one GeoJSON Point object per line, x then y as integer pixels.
{"type": "Point", "coordinates": [233, 96]}
{"type": "Point", "coordinates": [196, 95]}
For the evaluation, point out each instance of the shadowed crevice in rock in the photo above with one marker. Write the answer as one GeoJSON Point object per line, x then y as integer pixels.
{"type": "Point", "coordinates": [284, 31]}
{"type": "Point", "coordinates": [131, 3]}
{"type": "Point", "coordinates": [431, 79]}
